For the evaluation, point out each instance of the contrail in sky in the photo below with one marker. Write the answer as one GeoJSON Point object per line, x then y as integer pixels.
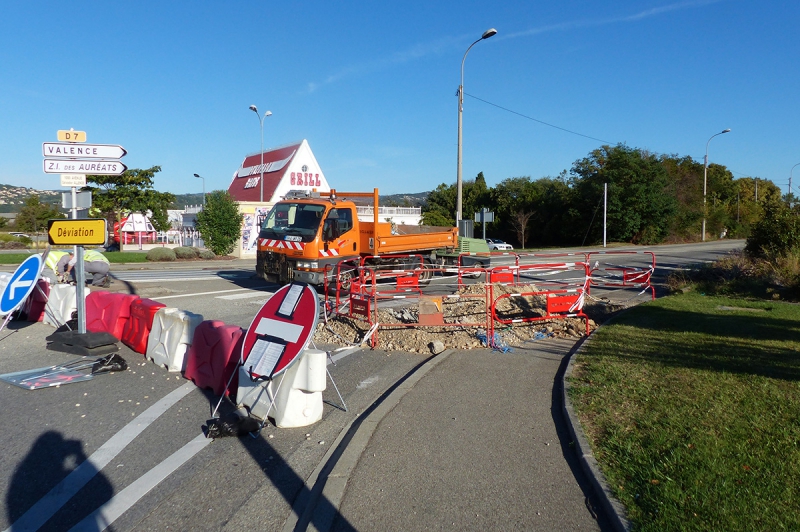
{"type": "Point", "coordinates": [611, 20]}
{"type": "Point", "coordinates": [446, 44]}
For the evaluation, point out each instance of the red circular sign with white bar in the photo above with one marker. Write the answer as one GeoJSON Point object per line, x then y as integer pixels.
{"type": "Point", "coordinates": [281, 330]}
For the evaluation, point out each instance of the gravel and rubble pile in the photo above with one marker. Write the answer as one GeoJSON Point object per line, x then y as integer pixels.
{"type": "Point", "coordinates": [462, 314]}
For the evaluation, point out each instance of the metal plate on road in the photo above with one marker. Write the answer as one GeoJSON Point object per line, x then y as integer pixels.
{"type": "Point", "coordinates": [92, 151]}
{"type": "Point", "coordinates": [77, 166]}
{"type": "Point", "coordinates": [86, 232]}
{"type": "Point", "coordinates": [21, 284]}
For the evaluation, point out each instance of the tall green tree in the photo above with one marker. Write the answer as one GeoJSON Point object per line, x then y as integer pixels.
{"type": "Point", "coordinates": [640, 207]}
{"type": "Point", "coordinates": [440, 208]}
{"type": "Point", "coordinates": [220, 222]}
{"type": "Point", "coordinates": [33, 215]}
{"type": "Point", "coordinates": [116, 196]}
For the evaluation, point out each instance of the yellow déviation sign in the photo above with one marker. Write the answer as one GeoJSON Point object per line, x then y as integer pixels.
{"type": "Point", "coordinates": [83, 232]}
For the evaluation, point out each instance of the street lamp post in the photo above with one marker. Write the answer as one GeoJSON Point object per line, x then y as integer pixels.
{"type": "Point", "coordinates": [204, 188]}
{"type": "Point", "coordinates": [486, 34]}
{"type": "Point", "coordinates": [790, 184]}
{"type": "Point", "coordinates": [705, 177]}
{"type": "Point", "coordinates": [261, 121]}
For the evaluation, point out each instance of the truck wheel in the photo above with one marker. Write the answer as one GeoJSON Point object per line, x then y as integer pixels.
{"type": "Point", "coordinates": [345, 282]}
{"type": "Point", "coordinates": [425, 273]}
{"type": "Point", "coordinates": [477, 264]}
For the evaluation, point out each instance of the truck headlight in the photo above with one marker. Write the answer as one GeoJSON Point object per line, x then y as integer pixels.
{"type": "Point", "coordinates": [308, 264]}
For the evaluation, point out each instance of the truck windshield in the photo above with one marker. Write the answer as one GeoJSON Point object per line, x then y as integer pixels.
{"type": "Point", "coordinates": [293, 222]}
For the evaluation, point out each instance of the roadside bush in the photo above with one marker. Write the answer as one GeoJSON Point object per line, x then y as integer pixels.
{"type": "Point", "coordinates": [207, 254]}
{"type": "Point", "coordinates": [776, 234]}
{"type": "Point", "coordinates": [186, 253]}
{"type": "Point", "coordinates": [740, 275]}
{"type": "Point", "coordinates": [161, 255]}
{"type": "Point", "coordinates": [13, 244]}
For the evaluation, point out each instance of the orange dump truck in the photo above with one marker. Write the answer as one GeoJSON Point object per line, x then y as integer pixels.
{"type": "Point", "coordinates": [307, 233]}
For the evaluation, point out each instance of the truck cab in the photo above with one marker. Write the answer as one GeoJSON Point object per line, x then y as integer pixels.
{"type": "Point", "coordinates": [304, 234]}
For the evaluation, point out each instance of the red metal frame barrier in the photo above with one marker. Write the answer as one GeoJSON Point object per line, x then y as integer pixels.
{"type": "Point", "coordinates": [562, 296]}
{"type": "Point", "coordinates": [561, 303]}
{"type": "Point", "coordinates": [621, 276]}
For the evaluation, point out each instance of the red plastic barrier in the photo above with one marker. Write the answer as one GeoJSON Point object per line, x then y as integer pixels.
{"type": "Point", "coordinates": [36, 302]}
{"type": "Point", "coordinates": [214, 355]}
{"type": "Point", "coordinates": [108, 312]}
{"type": "Point", "coordinates": [137, 328]}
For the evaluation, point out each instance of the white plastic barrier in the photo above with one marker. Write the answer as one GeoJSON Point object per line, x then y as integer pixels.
{"type": "Point", "coordinates": [170, 337]}
{"type": "Point", "coordinates": [61, 304]}
{"type": "Point", "coordinates": [299, 392]}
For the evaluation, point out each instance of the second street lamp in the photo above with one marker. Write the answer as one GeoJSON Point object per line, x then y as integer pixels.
{"type": "Point", "coordinates": [486, 34]}
{"type": "Point", "coordinates": [261, 168]}
{"type": "Point", "coordinates": [204, 188]}
{"type": "Point", "coordinates": [705, 176]}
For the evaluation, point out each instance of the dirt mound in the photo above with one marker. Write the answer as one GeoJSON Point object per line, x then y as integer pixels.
{"type": "Point", "coordinates": [462, 315]}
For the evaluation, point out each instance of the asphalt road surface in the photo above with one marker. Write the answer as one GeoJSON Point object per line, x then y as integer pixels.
{"type": "Point", "coordinates": [126, 451]}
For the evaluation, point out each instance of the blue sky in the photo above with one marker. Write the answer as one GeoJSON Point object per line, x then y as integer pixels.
{"type": "Point", "coordinates": [372, 85]}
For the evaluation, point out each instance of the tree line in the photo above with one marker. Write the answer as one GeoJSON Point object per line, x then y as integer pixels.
{"type": "Point", "coordinates": [651, 199]}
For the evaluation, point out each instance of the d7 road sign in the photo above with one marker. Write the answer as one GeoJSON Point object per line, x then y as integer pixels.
{"type": "Point", "coordinates": [80, 232]}
{"type": "Point", "coordinates": [70, 135]}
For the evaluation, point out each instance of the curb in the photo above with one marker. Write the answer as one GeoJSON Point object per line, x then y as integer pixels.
{"type": "Point", "coordinates": [614, 509]}
{"type": "Point", "coordinates": [329, 480]}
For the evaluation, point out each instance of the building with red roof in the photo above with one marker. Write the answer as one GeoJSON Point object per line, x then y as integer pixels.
{"type": "Point", "coordinates": [285, 168]}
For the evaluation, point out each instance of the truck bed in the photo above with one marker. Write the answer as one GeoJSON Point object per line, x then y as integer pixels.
{"type": "Point", "coordinates": [406, 238]}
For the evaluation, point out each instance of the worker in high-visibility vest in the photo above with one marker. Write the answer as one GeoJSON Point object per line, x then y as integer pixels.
{"type": "Point", "coordinates": [94, 262]}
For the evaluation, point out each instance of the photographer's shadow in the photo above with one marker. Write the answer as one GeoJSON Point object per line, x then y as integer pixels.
{"type": "Point", "coordinates": [40, 495]}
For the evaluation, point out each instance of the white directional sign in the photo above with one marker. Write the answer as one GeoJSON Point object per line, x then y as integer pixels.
{"type": "Point", "coordinates": [73, 180]}
{"type": "Point", "coordinates": [77, 166]}
{"type": "Point", "coordinates": [70, 149]}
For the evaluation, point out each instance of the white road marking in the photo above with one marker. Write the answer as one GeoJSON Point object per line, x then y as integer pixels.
{"type": "Point", "coordinates": [120, 503]}
{"type": "Point", "coordinates": [245, 296]}
{"type": "Point", "coordinates": [203, 293]}
{"type": "Point", "coordinates": [47, 506]}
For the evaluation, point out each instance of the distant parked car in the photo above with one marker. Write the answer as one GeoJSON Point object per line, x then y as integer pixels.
{"type": "Point", "coordinates": [496, 244]}
{"type": "Point", "coordinates": [19, 235]}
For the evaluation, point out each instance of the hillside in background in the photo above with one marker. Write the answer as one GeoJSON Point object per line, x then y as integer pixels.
{"type": "Point", "coordinates": [13, 198]}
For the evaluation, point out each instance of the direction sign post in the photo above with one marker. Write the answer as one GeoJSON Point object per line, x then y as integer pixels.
{"type": "Point", "coordinates": [74, 159]}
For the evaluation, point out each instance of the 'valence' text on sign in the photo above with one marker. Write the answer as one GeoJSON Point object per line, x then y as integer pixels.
{"type": "Point", "coordinates": [67, 149]}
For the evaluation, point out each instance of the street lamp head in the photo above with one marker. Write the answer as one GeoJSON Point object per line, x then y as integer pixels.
{"type": "Point", "coordinates": [254, 109]}
{"type": "Point", "coordinates": [726, 130]}
{"type": "Point", "coordinates": [488, 33]}
{"type": "Point", "coordinates": [196, 175]}
{"type": "Point", "coordinates": [269, 113]}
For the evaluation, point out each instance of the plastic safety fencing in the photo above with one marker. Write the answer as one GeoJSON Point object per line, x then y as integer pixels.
{"type": "Point", "coordinates": [374, 287]}
{"type": "Point", "coordinates": [539, 291]}
{"type": "Point", "coordinates": [560, 287]}
{"type": "Point", "coordinates": [473, 265]}
{"type": "Point", "coordinates": [622, 270]}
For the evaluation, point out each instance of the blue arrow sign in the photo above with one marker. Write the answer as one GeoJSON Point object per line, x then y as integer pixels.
{"type": "Point", "coordinates": [21, 284]}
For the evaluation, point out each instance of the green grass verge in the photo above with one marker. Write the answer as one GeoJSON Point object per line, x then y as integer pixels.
{"type": "Point", "coordinates": [693, 412]}
{"type": "Point", "coordinates": [114, 257]}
